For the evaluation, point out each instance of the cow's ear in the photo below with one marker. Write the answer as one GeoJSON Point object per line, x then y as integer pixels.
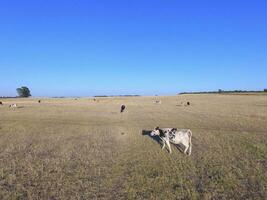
{"type": "Point", "coordinates": [157, 128]}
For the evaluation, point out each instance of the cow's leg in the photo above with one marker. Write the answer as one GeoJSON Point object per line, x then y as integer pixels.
{"type": "Point", "coordinates": [186, 148]}
{"type": "Point", "coordinates": [163, 145]}
{"type": "Point", "coordinates": [169, 145]}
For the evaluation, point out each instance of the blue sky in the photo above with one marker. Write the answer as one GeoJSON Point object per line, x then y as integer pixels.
{"type": "Point", "coordinates": [84, 48]}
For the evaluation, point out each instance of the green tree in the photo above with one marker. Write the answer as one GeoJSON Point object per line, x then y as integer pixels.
{"type": "Point", "coordinates": [23, 92]}
{"type": "Point", "coordinates": [265, 90]}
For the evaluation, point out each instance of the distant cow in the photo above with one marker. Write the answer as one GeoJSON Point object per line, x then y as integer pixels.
{"type": "Point", "coordinates": [39, 101]}
{"type": "Point", "coordinates": [1, 103]}
{"type": "Point", "coordinates": [187, 103]}
{"type": "Point", "coordinates": [122, 108]}
{"type": "Point", "coordinates": [157, 102]}
{"type": "Point", "coordinates": [13, 105]}
{"type": "Point", "coordinates": [175, 136]}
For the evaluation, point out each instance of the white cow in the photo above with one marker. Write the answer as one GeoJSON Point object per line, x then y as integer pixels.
{"type": "Point", "coordinates": [13, 105]}
{"type": "Point", "coordinates": [175, 136]}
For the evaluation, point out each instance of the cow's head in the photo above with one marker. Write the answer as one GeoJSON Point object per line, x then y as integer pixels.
{"type": "Point", "coordinates": [155, 132]}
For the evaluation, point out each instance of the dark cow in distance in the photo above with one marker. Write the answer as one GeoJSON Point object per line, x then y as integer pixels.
{"type": "Point", "coordinates": [122, 108]}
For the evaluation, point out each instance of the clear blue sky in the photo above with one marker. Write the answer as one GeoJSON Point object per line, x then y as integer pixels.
{"type": "Point", "coordinates": [147, 47]}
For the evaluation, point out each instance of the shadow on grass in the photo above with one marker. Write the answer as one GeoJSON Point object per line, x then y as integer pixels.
{"type": "Point", "coordinates": [156, 138]}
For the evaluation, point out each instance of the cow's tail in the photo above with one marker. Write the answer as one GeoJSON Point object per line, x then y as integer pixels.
{"type": "Point", "coordinates": [190, 143]}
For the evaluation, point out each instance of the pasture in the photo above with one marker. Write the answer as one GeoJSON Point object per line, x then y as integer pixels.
{"type": "Point", "coordinates": [84, 149]}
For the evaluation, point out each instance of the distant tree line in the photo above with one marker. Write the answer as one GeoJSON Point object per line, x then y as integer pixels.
{"type": "Point", "coordinates": [220, 91]}
{"type": "Point", "coordinates": [6, 97]}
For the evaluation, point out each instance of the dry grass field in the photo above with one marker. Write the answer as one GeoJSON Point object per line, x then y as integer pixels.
{"type": "Point", "coordinates": [82, 149]}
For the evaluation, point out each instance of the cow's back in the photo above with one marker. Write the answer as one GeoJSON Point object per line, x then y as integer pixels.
{"type": "Point", "coordinates": [181, 136]}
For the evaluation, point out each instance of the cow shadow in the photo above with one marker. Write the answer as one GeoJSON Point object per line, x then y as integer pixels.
{"type": "Point", "coordinates": [155, 138]}
{"type": "Point", "coordinates": [158, 140]}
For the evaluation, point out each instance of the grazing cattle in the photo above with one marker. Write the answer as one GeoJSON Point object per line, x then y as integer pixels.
{"type": "Point", "coordinates": [13, 105]}
{"type": "Point", "coordinates": [175, 136]}
{"type": "Point", "coordinates": [157, 102]}
{"type": "Point", "coordinates": [187, 103]}
{"type": "Point", "coordinates": [122, 108]}
{"type": "Point", "coordinates": [1, 103]}
{"type": "Point", "coordinates": [39, 101]}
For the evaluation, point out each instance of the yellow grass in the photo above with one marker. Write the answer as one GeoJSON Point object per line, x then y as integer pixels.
{"type": "Point", "coordinates": [81, 149]}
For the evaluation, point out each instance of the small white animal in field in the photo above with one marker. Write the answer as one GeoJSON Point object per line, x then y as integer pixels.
{"type": "Point", "coordinates": [175, 136]}
{"type": "Point", "coordinates": [13, 105]}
